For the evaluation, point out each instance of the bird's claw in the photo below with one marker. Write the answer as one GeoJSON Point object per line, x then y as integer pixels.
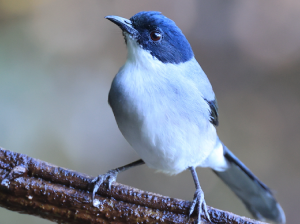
{"type": "Point", "coordinates": [110, 177]}
{"type": "Point", "coordinates": [199, 200]}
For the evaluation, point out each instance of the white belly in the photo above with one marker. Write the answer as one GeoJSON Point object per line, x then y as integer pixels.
{"type": "Point", "coordinates": [168, 134]}
{"type": "Point", "coordinates": [170, 146]}
{"type": "Point", "coordinates": [167, 123]}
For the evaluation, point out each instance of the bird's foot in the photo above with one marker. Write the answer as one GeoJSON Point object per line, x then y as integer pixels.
{"type": "Point", "coordinates": [110, 177]}
{"type": "Point", "coordinates": [201, 205]}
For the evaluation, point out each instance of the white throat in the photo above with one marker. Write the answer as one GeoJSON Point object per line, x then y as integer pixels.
{"type": "Point", "coordinates": [139, 56]}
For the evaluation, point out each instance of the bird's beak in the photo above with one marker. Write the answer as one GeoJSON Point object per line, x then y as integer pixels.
{"type": "Point", "coordinates": [124, 24]}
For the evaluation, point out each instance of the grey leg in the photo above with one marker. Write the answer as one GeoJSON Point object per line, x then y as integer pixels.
{"type": "Point", "coordinates": [198, 197]}
{"type": "Point", "coordinates": [111, 175]}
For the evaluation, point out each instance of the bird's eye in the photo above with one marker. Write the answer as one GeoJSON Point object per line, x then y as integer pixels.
{"type": "Point", "coordinates": [155, 35]}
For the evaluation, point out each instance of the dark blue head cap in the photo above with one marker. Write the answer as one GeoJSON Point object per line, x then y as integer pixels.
{"type": "Point", "coordinates": [173, 47]}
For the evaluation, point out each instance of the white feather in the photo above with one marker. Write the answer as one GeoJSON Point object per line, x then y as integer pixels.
{"type": "Point", "coordinates": [166, 122]}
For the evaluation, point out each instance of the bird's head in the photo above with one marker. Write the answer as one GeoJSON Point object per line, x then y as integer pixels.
{"type": "Point", "coordinates": [156, 34]}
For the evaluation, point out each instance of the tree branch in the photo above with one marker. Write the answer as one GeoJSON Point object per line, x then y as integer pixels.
{"type": "Point", "coordinates": [31, 186]}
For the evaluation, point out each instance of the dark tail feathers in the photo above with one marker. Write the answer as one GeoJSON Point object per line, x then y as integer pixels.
{"type": "Point", "coordinates": [257, 197]}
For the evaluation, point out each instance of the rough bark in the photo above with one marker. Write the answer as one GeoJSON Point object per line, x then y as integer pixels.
{"type": "Point", "coordinates": [32, 186]}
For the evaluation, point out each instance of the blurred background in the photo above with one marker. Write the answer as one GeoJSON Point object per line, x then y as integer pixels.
{"type": "Point", "coordinates": [58, 58]}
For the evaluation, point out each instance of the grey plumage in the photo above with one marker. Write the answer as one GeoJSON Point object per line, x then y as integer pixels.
{"type": "Point", "coordinates": [256, 196]}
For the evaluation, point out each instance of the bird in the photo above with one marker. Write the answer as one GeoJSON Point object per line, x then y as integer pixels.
{"type": "Point", "coordinates": [166, 109]}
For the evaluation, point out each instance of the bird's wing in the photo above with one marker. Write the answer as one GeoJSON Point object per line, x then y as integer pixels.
{"type": "Point", "coordinates": [213, 104]}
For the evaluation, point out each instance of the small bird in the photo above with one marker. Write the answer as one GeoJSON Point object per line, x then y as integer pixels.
{"type": "Point", "coordinates": [166, 109]}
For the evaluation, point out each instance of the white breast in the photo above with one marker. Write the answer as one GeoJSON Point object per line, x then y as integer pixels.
{"type": "Point", "coordinates": [160, 110]}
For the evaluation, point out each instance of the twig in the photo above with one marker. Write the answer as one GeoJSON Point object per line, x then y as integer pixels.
{"type": "Point", "coordinates": [31, 186]}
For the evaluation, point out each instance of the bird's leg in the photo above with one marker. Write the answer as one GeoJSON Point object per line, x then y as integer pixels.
{"type": "Point", "coordinates": [111, 176]}
{"type": "Point", "coordinates": [198, 197]}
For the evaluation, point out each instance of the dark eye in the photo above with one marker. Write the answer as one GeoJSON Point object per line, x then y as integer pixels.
{"type": "Point", "coordinates": [155, 35]}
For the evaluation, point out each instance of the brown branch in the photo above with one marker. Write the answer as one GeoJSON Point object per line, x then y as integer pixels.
{"type": "Point", "coordinates": [31, 186]}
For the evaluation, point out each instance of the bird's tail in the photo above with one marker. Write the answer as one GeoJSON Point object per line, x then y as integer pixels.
{"type": "Point", "coordinates": [257, 197]}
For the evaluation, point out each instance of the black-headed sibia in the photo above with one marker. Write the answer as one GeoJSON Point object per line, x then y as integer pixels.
{"type": "Point", "coordinates": [166, 109]}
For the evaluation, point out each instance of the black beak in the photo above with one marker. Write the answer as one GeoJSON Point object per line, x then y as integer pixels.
{"type": "Point", "coordinates": [124, 24]}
